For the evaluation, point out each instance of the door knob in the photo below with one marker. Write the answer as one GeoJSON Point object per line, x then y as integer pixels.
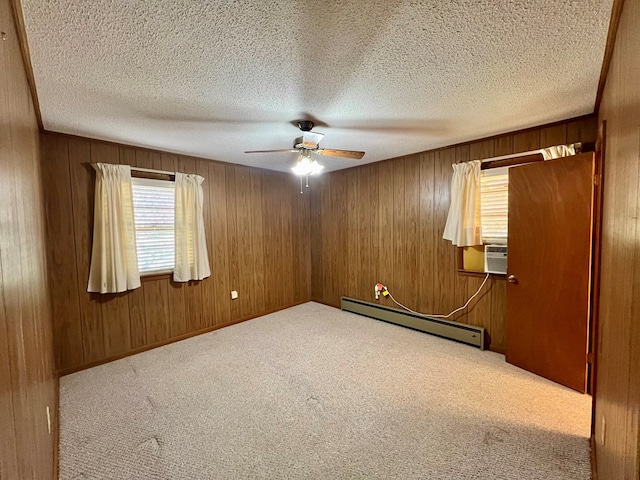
{"type": "Point", "coordinates": [512, 279]}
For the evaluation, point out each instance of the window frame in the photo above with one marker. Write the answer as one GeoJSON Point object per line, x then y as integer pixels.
{"type": "Point", "coordinates": [494, 172]}
{"type": "Point", "coordinates": [152, 180]}
{"type": "Point", "coordinates": [491, 164]}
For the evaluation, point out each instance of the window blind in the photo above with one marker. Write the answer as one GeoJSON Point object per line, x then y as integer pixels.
{"type": "Point", "coordinates": [494, 205]}
{"type": "Point", "coordinates": [154, 216]}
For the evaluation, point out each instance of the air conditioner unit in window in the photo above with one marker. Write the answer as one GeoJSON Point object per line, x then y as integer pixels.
{"type": "Point", "coordinates": [495, 259]}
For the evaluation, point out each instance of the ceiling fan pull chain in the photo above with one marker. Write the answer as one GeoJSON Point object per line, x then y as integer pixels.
{"type": "Point", "coordinates": [307, 180]}
{"type": "Point", "coordinates": [301, 184]}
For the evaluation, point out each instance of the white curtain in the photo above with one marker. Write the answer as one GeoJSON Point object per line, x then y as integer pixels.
{"type": "Point", "coordinates": [114, 262]}
{"type": "Point", "coordinates": [192, 260]}
{"type": "Point", "coordinates": [463, 226]}
{"type": "Point", "coordinates": [558, 152]}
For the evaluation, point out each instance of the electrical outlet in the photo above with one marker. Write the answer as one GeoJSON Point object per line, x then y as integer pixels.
{"type": "Point", "coordinates": [234, 294]}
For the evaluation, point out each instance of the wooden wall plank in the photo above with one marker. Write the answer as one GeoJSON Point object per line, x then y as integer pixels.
{"type": "Point", "coordinates": [9, 450]}
{"type": "Point", "coordinates": [8, 441]}
{"type": "Point", "coordinates": [427, 239]}
{"type": "Point", "coordinates": [411, 287]}
{"type": "Point", "coordinates": [137, 319]}
{"type": "Point", "coordinates": [284, 286]}
{"type": "Point", "coordinates": [365, 277]}
{"type": "Point", "coordinates": [63, 279]}
{"type": "Point", "coordinates": [374, 218]}
{"type": "Point", "coordinates": [206, 287]}
{"type": "Point", "coordinates": [497, 325]}
{"type": "Point", "coordinates": [616, 435]}
{"type": "Point", "coordinates": [398, 252]}
{"type": "Point", "coordinates": [445, 260]}
{"type": "Point", "coordinates": [272, 202]}
{"type": "Point", "coordinates": [117, 332]}
{"type": "Point", "coordinates": [301, 242]}
{"type": "Point", "coordinates": [156, 303]}
{"type": "Point", "coordinates": [526, 141]}
{"type": "Point", "coordinates": [316, 240]}
{"type": "Point", "coordinates": [354, 228]}
{"type": "Point", "coordinates": [232, 233]}
{"type": "Point", "coordinates": [338, 212]}
{"type": "Point", "coordinates": [27, 365]}
{"type": "Point", "coordinates": [244, 239]}
{"type": "Point", "coordinates": [143, 159]}
{"type": "Point", "coordinates": [328, 222]}
{"type": "Point", "coordinates": [220, 239]}
{"type": "Point", "coordinates": [502, 146]}
{"type": "Point", "coordinates": [555, 135]}
{"type": "Point", "coordinates": [256, 246]}
{"type": "Point", "coordinates": [582, 130]}
{"type": "Point", "coordinates": [385, 238]}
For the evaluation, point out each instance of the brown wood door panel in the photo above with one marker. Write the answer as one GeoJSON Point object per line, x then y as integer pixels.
{"type": "Point", "coordinates": [549, 254]}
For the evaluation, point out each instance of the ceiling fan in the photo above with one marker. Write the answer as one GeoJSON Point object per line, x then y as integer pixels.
{"type": "Point", "coordinates": [308, 144]}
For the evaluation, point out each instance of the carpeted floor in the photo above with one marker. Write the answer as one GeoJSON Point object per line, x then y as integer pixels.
{"type": "Point", "coordinates": [316, 393]}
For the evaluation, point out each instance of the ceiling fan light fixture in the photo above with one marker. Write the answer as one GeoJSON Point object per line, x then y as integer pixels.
{"type": "Point", "coordinates": [306, 166]}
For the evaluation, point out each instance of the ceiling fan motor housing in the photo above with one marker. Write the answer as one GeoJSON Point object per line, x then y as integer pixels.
{"type": "Point", "coordinates": [305, 125]}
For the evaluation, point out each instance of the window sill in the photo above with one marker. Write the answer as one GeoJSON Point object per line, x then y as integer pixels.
{"type": "Point", "coordinates": [474, 273]}
{"type": "Point", "coordinates": [155, 276]}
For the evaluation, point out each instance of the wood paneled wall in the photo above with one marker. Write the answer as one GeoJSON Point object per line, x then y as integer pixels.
{"type": "Point", "coordinates": [617, 395]}
{"type": "Point", "coordinates": [257, 227]}
{"type": "Point", "coordinates": [27, 373]}
{"type": "Point", "coordinates": [383, 222]}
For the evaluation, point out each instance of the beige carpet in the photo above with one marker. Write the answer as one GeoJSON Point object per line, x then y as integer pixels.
{"type": "Point", "coordinates": [316, 393]}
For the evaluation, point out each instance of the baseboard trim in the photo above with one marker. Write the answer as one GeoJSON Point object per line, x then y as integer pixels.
{"type": "Point", "coordinates": [96, 363]}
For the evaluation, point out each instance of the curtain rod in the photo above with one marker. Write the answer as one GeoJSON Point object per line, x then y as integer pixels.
{"type": "Point", "coordinates": [140, 169]}
{"type": "Point", "coordinates": [525, 154]}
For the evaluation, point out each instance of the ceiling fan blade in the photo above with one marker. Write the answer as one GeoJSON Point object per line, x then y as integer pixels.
{"type": "Point", "coordinates": [273, 151]}
{"type": "Point", "coordinates": [340, 153]}
{"type": "Point", "coordinates": [311, 139]}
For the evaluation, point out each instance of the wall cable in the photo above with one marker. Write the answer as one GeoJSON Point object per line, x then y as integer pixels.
{"type": "Point", "coordinates": [442, 316]}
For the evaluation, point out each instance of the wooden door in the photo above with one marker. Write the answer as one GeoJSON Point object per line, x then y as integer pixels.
{"type": "Point", "coordinates": [549, 268]}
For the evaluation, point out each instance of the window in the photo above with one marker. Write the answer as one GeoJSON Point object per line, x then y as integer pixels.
{"type": "Point", "coordinates": [494, 198]}
{"type": "Point", "coordinates": [154, 217]}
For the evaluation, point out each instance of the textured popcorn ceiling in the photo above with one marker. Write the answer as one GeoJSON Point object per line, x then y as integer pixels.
{"type": "Point", "coordinates": [390, 77]}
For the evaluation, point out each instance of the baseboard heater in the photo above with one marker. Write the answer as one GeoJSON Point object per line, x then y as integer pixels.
{"type": "Point", "coordinates": [460, 332]}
